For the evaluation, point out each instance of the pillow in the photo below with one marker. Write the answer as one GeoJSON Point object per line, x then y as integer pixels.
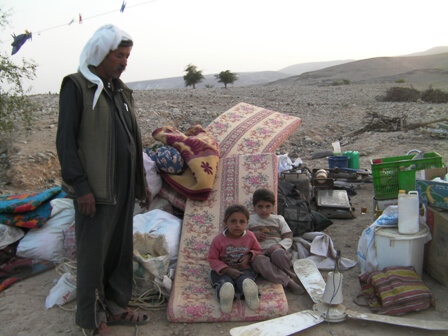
{"type": "Point", "coordinates": [395, 290]}
{"type": "Point", "coordinates": [175, 198]}
{"type": "Point", "coordinates": [167, 158]}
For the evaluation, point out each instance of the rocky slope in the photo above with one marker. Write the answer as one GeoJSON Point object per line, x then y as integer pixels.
{"type": "Point", "coordinates": [328, 114]}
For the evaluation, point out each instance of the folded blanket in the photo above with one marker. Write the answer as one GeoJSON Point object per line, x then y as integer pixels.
{"type": "Point", "coordinates": [395, 291]}
{"type": "Point", "coordinates": [200, 152]}
{"type": "Point", "coordinates": [18, 269]}
{"type": "Point", "coordinates": [30, 210]}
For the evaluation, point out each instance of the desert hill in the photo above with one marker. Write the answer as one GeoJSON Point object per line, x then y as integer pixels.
{"type": "Point", "coordinates": [328, 113]}
{"type": "Point", "coordinates": [244, 79]}
{"type": "Point", "coordinates": [427, 69]}
{"type": "Point", "coordinates": [429, 66]}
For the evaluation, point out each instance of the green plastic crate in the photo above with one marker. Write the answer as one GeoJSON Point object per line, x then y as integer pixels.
{"type": "Point", "coordinates": [385, 172]}
{"type": "Point", "coordinates": [406, 180]}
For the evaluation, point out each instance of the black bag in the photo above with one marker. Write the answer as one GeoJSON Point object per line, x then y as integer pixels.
{"type": "Point", "coordinates": [296, 210]}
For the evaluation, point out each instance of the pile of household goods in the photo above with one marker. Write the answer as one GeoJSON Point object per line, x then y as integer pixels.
{"type": "Point", "coordinates": [327, 190]}
{"type": "Point", "coordinates": [411, 218]}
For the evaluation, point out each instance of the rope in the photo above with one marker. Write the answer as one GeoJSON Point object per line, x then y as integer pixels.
{"type": "Point", "coordinates": [38, 32]}
{"type": "Point", "coordinates": [151, 299]}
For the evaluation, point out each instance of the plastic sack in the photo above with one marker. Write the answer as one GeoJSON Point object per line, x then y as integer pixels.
{"type": "Point", "coordinates": [284, 163]}
{"type": "Point", "coordinates": [153, 178]}
{"type": "Point", "coordinates": [47, 242]}
{"type": "Point", "coordinates": [366, 252]}
{"type": "Point", "coordinates": [9, 235]}
{"type": "Point", "coordinates": [151, 261]}
{"type": "Point", "coordinates": [63, 292]}
{"type": "Point", "coordinates": [158, 222]}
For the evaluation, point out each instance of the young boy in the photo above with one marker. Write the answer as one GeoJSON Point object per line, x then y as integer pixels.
{"type": "Point", "coordinates": [229, 257]}
{"type": "Point", "coordinates": [275, 237]}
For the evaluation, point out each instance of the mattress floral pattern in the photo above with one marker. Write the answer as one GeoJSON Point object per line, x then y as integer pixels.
{"type": "Point", "coordinates": [247, 136]}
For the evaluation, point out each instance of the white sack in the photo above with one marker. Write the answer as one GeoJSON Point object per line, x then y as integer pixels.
{"type": "Point", "coordinates": [366, 251]}
{"type": "Point", "coordinates": [64, 291]}
{"type": "Point", "coordinates": [152, 176]}
{"type": "Point", "coordinates": [47, 242]}
{"type": "Point", "coordinates": [9, 235]}
{"type": "Point", "coordinates": [159, 222]}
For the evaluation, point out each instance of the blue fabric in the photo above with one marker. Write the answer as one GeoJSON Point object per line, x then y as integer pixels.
{"type": "Point", "coordinates": [167, 158]}
{"type": "Point", "coordinates": [29, 210]}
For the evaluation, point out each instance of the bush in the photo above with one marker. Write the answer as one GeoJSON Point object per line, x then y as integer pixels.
{"type": "Point", "coordinates": [399, 94]}
{"type": "Point", "coordinates": [400, 81]}
{"type": "Point", "coordinates": [15, 107]}
{"type": "Point", "coordinates": [343, 82]}
{"type": "Point", "coordinates": [435, 96]}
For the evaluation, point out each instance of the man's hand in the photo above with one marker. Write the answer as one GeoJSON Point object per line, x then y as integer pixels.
{"type": "Point", "coordinates": [86, 204]}
{"type": "Point", "coordinates": [232, 272]}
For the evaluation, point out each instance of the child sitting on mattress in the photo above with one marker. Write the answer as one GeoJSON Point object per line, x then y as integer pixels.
{"type": "Point", "coordinates": [230, 254]}
{"type": "Point", "coordinates": [275, 237]}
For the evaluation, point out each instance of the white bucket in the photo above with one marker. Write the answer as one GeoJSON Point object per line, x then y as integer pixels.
{"type": "Point", "coordinates": [395, 249]}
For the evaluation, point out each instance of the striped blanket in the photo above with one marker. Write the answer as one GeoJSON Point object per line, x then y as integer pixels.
{"type": "Point", "coordinates": [395, 291]}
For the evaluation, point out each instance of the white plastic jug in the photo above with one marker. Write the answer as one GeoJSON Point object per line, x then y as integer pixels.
{"type": "Point", "coordinates": [408, 212]}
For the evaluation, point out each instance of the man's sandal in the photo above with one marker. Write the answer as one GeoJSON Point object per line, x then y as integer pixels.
{"type": "Point", "coordinates": [128, 317]}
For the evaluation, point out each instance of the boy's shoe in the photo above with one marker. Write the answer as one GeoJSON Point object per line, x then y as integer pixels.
{"type": "Point", "coordinates": [250, 291]}
{"type": "Point", "coordinates": [226, 295]}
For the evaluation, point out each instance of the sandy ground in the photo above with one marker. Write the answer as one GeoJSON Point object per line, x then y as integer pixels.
{"type": "Point", "coordinates": [327, 116]}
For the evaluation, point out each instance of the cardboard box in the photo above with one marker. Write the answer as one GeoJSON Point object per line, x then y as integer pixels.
{"type": "Point", "coordinates": [432, 193]}
{"type": "Point", "coordinates": [436, 261]}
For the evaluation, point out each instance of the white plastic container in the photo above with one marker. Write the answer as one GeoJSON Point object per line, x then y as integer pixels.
{"type": "Point", "coordinates": [408, 212]}
{"type": "Point", "coordinates": [395, 249]}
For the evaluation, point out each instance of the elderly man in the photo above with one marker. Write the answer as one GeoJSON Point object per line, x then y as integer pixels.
{"type": "Point", "coordinates": [100, 152]}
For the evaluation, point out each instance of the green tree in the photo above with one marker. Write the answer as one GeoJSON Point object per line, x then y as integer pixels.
{"type": "Point", "coordinates": [15, 108]}
{"type": "Point", "coordinates": [193, 76]}
{"type": "Point", "coordinates": [226, 77]}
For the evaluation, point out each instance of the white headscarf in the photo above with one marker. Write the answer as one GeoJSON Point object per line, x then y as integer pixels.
{"type": "Point", "coordinates": [105, 39]}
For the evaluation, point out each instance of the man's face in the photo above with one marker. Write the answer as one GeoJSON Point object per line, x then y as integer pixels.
{"type": "Point", "coordinates": [115, 63]}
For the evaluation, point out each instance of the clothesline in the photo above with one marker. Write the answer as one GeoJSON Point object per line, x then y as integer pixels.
{"type": "Point", "coordinates": [19, 40]}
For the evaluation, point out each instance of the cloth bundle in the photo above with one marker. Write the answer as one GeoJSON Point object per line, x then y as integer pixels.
{"type": "Point", "coordinates": [395, 291]}
{"type": "Point", "coordinates": [200, 152]}
{"type": "Point", "coordinates": [30, 210]}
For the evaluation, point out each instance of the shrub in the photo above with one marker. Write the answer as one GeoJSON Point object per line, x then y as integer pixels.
{"type": "Point", "coordinates": [399, 94]}
{"type": "Point", "coordinates": [343, 82]}
{"type": "Point", "coordinates": [435, 96]}
{"type": "Point", "coordinates": [400, 81]}
{"type": "Point", "coordinates": [15, 107]}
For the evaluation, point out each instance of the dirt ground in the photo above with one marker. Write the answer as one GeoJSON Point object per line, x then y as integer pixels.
{"type": "Point", "coordinates": [328, 114]}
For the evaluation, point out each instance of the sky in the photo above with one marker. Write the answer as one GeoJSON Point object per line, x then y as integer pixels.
{"type": "Point", "coordinates": [216, 35]}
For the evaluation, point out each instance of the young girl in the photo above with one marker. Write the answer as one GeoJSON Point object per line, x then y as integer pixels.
{"type": "Point", "coordinates": [229, 257]}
